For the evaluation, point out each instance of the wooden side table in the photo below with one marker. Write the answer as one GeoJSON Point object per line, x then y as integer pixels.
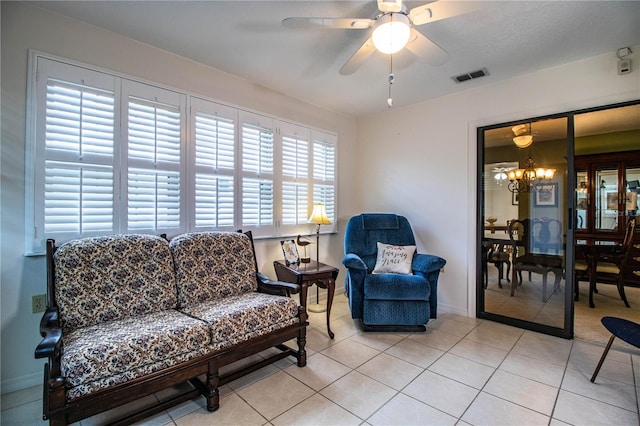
{"type": "Point", "coordinates": [306, 275]}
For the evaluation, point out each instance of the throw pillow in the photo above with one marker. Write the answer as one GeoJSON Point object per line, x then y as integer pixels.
{"type": "Point", "coordinates": [394, 259]}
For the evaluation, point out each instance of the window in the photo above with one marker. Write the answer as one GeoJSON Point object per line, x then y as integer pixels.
{"type": "Point", "coordinates": [108, 154]}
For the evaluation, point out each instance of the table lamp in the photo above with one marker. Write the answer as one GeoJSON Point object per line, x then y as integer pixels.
{"type": "Point", "coordinates": [319, 217]}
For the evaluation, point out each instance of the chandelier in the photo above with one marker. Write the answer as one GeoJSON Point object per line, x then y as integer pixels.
{"type": "Point", "coordinates": [530, 177]}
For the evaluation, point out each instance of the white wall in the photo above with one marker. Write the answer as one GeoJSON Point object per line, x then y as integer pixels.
{"type": "Point", "coordinates": [26, 27]}
{"type": "Point", "coordinates": [421, 159]}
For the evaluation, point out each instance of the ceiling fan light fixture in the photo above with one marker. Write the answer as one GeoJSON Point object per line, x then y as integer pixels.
{"type": "Point", "coordinates": [391, 32]}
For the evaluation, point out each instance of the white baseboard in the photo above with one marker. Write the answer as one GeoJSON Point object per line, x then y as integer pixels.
{"type": "Point", "coordinates": [443, 308]}
{"type": "Point", "coordinates": [23, 382]}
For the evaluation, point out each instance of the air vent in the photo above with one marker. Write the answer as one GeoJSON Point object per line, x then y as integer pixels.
{"type": "Point", "coordinates": [470, 76]}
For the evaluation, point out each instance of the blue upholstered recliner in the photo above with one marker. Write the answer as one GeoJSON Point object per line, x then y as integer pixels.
{"type": "Point", "coordinates": [388, 301]}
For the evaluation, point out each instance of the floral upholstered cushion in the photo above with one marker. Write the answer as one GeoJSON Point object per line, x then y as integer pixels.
{"type": "Point", "coordinates": [212, 265]}
{"type": "Point", "coordinates": [239, 318]}
{"type": "Point", "coordinates": [104, 355]}
{"type": "Point", "coordinates": [109, 278]}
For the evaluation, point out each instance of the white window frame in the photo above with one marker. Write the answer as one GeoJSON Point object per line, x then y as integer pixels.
{"type": "Point", "coordinates": [188, 105]}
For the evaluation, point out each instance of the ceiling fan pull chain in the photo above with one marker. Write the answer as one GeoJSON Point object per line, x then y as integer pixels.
{"type": "Point", "coordinates": [391, 80]}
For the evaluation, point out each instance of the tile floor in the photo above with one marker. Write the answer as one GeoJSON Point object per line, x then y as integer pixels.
{"type": "Point", "coordinates": [462, 371]}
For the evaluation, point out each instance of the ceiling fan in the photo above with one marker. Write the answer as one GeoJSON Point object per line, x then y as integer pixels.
{"type": "Point", "coordinates": [393, 29]}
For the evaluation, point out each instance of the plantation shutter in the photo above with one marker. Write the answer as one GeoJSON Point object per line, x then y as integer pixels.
{"type": "Point", "coordinates": [154, 152]}
{"type": "Point", "coordinates": [214, 127]}
{"type": "Point", "coordinates": [324, 179]}
{"type": "Point", "coordinates": [295, 174]}
{"type": "Point", "coordinates": [257, 173]}
{"type": "Point", "coordinates": [73, 167]}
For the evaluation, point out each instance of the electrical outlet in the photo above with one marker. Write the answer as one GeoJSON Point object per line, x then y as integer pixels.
{"type": "Point", "coordinates": [38, 303]}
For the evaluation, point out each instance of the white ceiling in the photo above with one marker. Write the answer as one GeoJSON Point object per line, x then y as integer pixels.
{"type": "Point", "coordinates": [246, 38]}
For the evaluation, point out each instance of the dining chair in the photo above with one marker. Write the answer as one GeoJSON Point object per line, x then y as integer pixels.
{"type": "Point", "coordinates": [526, 259]}
{"type": "Point", "coordinates": [497, 253]}
{"type": "Point", "coordinates": [610, 263]}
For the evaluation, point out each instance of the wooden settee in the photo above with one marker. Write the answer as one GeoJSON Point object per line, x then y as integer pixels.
{"type": "Point", "coordinates": [129, 315]}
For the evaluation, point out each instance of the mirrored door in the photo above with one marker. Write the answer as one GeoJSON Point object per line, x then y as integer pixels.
{"type": "Point", "coordinates": [524, 229]}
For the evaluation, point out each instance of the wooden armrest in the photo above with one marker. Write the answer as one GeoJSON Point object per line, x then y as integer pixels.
{"type": "Point", "coordinates": [51, 333]}
{"type": "Point", "coordinates": [266, 285]}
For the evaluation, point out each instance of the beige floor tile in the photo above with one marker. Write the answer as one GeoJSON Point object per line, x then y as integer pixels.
{"type": "Point", "coordinates": [187, 408]}
{"type": "Point", "coordinates": [343, 327]}
{"type": "Point", "coordinates": [617, 365]}
{"type": "Point", "coordinates": [579, 410]}
{"type": "Point", "coordinates": [233, 411]}
{"type": "Point", "coordinates": [358, 394]}
{"type": "Point", "coordinates": [403, 410]}
{"type": "Point", "coordinates": [351, 354]}
{"type": "Point", "coordinates": [490, 410]}
{"type": "Point", "coordinates": [605, 390]}
{"type": "Point", "coordinates": [275, 394]}
{"type": "Point", "coordinates": [318, 340]}
{"type": "Point", "coordinates": [253, 377]}
{"type": "Point", "coordinates": [462, 370]}
{"type": "Point", "coordinates": [556, 422]}
{"type": "Point", "coordinates": [436, 339]}
{"type": "Point", "coordinates": [450, 326]}
{"type": "Point", "coordinates": [479, 352]}
{"type": "Point", "coordinates": [415, 353]}
{"type": "Point", "coordinates": [534, 369]}
{"type": "Point", "coordinates": [494, 337]}
{"type": "Point", "coordinates": [581, 348]}
{"type": "Point", "coordinates": [379, 341]}
{"type": "Point", "coordinates": [543, 347]}
{"type": "Point", "coordinates": [503, 329]}
{"type": "Point", "coordinates": [316, 410]}
{"type": "Point", "coordinates": [451, 396]}
{"type": "Point", "coordinates": [319, 372]}
{"type": "Point", "coordinates": [467, 320]}
{"type": "Point", "coordinates": [522, 391]}
{"type": "Point", "coordinates": [390, 370]}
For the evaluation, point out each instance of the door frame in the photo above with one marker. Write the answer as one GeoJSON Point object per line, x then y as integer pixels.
{"type": "Point", "coordinates": [567, 331]}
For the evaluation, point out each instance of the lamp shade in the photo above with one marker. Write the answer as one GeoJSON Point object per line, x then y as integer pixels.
{"type": "Point", "coordinates": [319, 215]}
{"type": "Point", "coordinates": [391, 32]}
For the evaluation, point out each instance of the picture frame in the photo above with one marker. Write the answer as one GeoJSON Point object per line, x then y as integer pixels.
{"type": "Point", "coordinates": [612, 200]}
{"type": "Point", "coordinates": [290, 251]}
{"type": "Point", "coordinates": [515, 200]}
{"type": "Point", "coordinates": [546, 195]}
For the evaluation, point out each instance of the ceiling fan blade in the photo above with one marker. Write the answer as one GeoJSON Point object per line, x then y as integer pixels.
{"type": "Point", "coordinates": [358, 58]}
{"type": "Point", "coordinates": [339, 23]}
{"type": "Point", "coordinates": [438, 10]}
{"type": "Point", "coordinates": [426, 49]}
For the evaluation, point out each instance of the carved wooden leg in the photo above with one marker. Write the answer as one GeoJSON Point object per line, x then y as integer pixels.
{"type": "Point", "coordinates": [212, 395]}
{"type": "Point", "coordinates": [301, 340]}
{"type": "Point", "coordinates": [621, 292]}
{"type": "Point", "coordinates": [56, 399]}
